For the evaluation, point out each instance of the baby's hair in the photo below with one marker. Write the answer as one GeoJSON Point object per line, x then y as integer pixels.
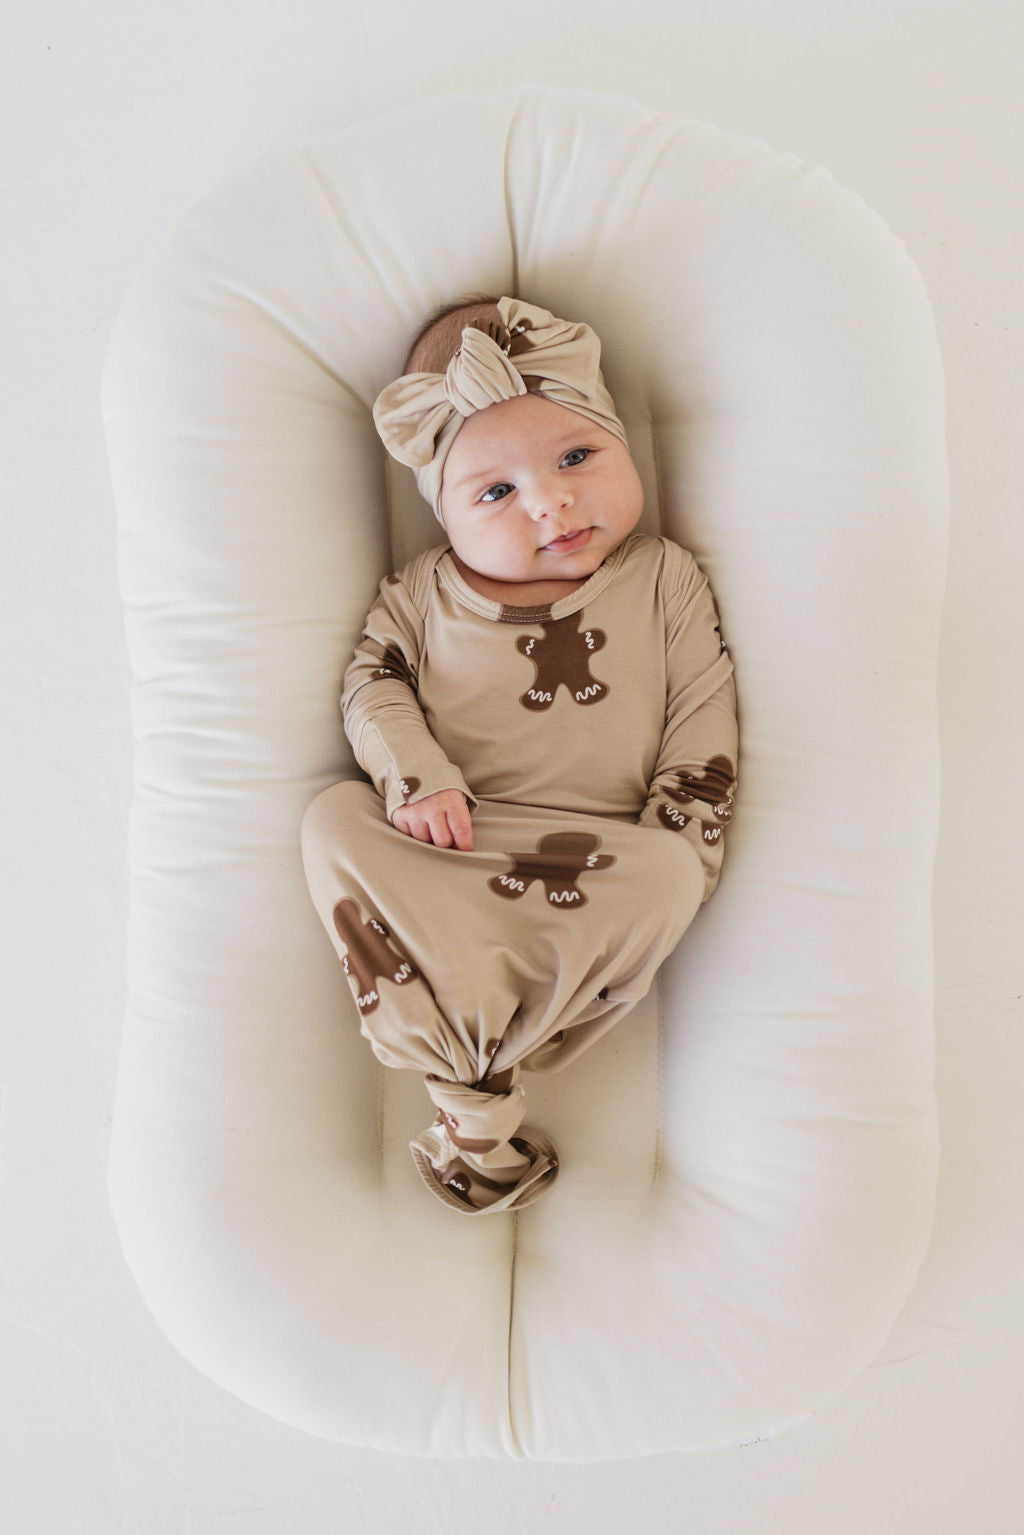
{"type": "Point", "coordinates": [438, 341]}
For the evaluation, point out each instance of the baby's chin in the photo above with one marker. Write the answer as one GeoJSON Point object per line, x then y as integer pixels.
{"type": "Point", "coordinates": [578, 556]}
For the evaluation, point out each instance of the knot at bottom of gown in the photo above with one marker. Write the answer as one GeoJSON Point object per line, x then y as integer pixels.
{"type": "Point", "coordinates": [477, 1156]}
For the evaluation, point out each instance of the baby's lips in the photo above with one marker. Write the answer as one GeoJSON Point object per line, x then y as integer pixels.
{"type": "Point", "coordinates": [570, 539]}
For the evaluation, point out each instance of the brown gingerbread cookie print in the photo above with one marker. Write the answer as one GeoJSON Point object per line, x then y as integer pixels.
{"type": "Point", "coordinates": [714, 787]}
{"type": "Point", "coordinates": [464, 1142]}
{"type": "Point", "coordinates": [394, 664]}
{"type": "Point", "coordinates": [561, 857]}
{"type": "Point", "coordinates": [370, 955]}
{"type": "Point", "coordinates": [562, 659]}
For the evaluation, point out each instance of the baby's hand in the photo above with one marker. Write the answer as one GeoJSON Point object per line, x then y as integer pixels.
{"type": "Point", "coordinates": [441, 818]}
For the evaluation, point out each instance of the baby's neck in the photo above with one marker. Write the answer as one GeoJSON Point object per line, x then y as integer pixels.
{"type": "Point", "coordinates": [515, 594]}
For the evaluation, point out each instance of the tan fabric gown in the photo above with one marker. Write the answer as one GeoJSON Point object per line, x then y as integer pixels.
{"type": "Point", "coordinates": [596, 740]}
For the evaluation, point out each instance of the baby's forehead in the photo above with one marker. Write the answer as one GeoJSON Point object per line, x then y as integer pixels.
{"type": "Point", "coordinates": [527, 423]}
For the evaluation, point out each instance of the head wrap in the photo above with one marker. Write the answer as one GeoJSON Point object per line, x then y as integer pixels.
{"type": "Point", "coordinates": [420, 414]}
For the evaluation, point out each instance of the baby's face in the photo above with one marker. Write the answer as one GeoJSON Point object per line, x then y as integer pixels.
{"type": "Point", "coordinates": [534, 492]}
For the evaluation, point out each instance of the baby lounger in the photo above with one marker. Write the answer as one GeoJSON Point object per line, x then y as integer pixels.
{"type": "Point", "coordinates": [748, 1159]}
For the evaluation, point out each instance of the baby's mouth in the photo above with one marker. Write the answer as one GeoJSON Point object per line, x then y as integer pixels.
{"type": "Point", "coordinates": [570, 541]}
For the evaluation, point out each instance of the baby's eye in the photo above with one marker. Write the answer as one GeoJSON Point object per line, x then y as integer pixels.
{"type": "Point", "coordinates": [575, 456]}
{"type": "Point", "coordinates": [496, 492]}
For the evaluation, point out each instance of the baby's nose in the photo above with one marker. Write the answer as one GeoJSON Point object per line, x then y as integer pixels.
{"type": "Point", "coordinates": [549, 496]}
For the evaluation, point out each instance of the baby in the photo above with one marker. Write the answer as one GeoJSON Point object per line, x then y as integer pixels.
{"type": "Point", "coordinates": [546, 710]}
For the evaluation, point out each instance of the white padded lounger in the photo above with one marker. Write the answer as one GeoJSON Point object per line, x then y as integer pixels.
{"type": "Point", "coordinates": [748, 1161]}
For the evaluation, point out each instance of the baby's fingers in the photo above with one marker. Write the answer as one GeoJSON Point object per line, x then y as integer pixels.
{"type": "Point", "coordinates": [450, 826]}
{"type": "Point", "coordinates": [412, 824]}
{"type": "Point", "coordinates": [441, 818]}
{"type": "Point", "coordinates": [461, 824]}
{"type": "Point", "coordinates": [438, 831]}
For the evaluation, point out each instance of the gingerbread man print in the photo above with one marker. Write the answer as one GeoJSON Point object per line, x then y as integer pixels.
{"type": "Point", "coordinates": [561, 857]}
{"type": "Point", "coordinates": [464, 1142]}
{"type": "Point", "coordinates": [562, 659]}
{"type": "Point", "coordinates": [371, 955]}
{"type": "Point", "coordinates": [714, 787]}
{"type": "Point", "coordinates": [394, 664]}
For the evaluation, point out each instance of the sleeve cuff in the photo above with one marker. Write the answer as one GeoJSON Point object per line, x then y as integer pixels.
{"type": "Point", "coordinates": [410, 788]}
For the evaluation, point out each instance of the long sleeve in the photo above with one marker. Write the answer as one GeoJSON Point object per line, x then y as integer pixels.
{"type": "Point", "coordinates": [694, 779]}
{"type": "Point", "coordinates": [381, 711]}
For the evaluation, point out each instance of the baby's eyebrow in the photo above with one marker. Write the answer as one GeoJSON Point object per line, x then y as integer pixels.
{"type": "Point", "coordinates": [478, 476]}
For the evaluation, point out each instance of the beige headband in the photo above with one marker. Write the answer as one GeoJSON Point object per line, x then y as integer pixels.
{"type": "Point", "coordinates": [420, 414]}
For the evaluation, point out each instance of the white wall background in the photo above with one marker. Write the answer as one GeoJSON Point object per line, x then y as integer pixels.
{"type": "Point", "coordinates": [116, 116]}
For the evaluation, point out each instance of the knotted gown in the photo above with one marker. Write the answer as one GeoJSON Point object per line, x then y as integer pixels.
{"type": "Point", "coordinates": [596, 742]}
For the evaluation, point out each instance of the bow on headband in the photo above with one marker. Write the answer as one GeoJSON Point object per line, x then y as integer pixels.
{"type": "Point", "coordinates": [420, 414]}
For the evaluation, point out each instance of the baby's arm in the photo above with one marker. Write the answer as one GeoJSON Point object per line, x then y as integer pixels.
{"type": "Point", "coordinates": [695, 777]}
{"type": "Point", "coordinates": [425, 794]}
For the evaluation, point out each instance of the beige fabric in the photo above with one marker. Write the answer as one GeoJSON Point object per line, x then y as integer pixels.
{"type": "Point", "coordinates": [597, 741]}
{"type": "Point", "coordinates": [477, 1154]}
{"type": "Point", "coordinates": [420, 414]}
